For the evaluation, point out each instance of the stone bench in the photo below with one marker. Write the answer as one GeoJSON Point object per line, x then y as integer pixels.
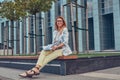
{"type": "Point", "coordinates": [64, 65]}
{"type": "Point", "coordinates": [56, 66]}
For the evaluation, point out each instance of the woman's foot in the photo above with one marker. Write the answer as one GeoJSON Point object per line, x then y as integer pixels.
{"type": "Point", "coordinates": [25, 74]}
{"type": "Point", "coordinates": [34, 71]}
{"type": "Point", "coordinates": [30, 73]}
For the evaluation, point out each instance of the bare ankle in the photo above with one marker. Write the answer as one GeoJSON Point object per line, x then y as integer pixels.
{"type": "Point", "coordinates": [38, 67]}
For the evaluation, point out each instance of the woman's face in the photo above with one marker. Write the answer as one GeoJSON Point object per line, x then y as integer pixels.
{"type": "Point", "coordinates": [59, 22]}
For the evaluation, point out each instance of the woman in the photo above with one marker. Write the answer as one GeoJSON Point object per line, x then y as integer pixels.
{"type": "Point", "coordinates": [59, 47]}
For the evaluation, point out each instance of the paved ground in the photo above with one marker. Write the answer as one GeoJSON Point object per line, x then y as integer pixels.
{"type": "Point", "coordinates": [107, 74]}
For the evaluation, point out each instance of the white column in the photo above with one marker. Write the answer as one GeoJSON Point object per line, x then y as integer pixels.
{"type": "Point", "coordinates": [96, 17]}
{"type": "Point", "coordinates": [21, 37]}
{"type": "Point", "coordinates": [27, 39]}
{"type": "Point", "coordinates": [10, 33]}
{"type": "Point", "coordinates": [116, 16]}
{"type": "Point", "coordinates": [53, 16]}
{"type": "Point", "coordinates": [80, 39]}
{"type": "Point", "coordinates": [15, 32]}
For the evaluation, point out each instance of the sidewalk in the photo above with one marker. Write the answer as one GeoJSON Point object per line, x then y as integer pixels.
{"type": "Point", "coordinates": [107, 74]}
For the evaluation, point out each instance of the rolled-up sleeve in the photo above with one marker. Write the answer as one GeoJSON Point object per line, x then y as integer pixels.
{"type": "Point", "coordinates": [65, 36]}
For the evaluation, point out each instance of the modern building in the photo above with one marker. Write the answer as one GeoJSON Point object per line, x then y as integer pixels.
{"type": "Point", "coordinates": [103, 27]}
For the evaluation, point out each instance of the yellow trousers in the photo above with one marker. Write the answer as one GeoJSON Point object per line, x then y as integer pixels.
{"type": "Point", "coordinates": [47, 56]}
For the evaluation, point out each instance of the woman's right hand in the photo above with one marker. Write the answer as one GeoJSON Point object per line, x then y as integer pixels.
{"type": "Point", "coordinates": [54, 47]}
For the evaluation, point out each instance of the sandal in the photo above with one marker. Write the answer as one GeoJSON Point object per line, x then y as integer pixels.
{"type": "Point", "coordinates": [24, 76]}
{"type": "Point", "coordinates": [30, 73]}
{"type": "Point", "coordinates": [34, 72]}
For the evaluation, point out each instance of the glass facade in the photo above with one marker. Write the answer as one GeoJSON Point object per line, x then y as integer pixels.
{"type": "Point", "coordinates": [107, 28]}
{"type": "Point", "coordinates": [90, 8]}
{"type": "Point", "coordinates": [106, 6]}
{"type": "Point", "coordinates": [103, 26]}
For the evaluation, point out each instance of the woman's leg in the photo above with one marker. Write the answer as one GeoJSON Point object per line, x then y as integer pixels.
{"type": "Point", "coordinates": [42, 56]}
{"type": "Point", "coordinates": [40, 60]}
{"type": "Point", "coordinates": [51, 57]}
{"type": "Point", "coordinates": [35, 70]}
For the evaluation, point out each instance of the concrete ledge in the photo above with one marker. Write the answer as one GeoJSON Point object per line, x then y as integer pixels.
{"type": "Point", "coordinates": [18, 57]}
{"type": "Point", "coordinates": [68, 57]}
{"type": "Point", "coordinates": [36, 57]}
{"type": "Point", "coordinates": [63, 66]}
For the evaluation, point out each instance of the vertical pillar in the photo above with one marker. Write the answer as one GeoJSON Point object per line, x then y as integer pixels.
{"type": "Point", "coordinates": [28, 36]}
{"type": "Point", "coordinates": [27, 31]}
{"type": "Point", "coordinates": [80, 21]}
{"type": "Point", "coordinates": [21, 37]}
{"type": "Point", "coordinates": [116, 16]}
{"type": "Point", "coordinates": [9, 33]}
{"type": "Point", "coordinates": [96, 17]}
{"type": "Point", "coordinates": [15, 39]}
{"type": "Point", "coordinates": [52, 16]}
